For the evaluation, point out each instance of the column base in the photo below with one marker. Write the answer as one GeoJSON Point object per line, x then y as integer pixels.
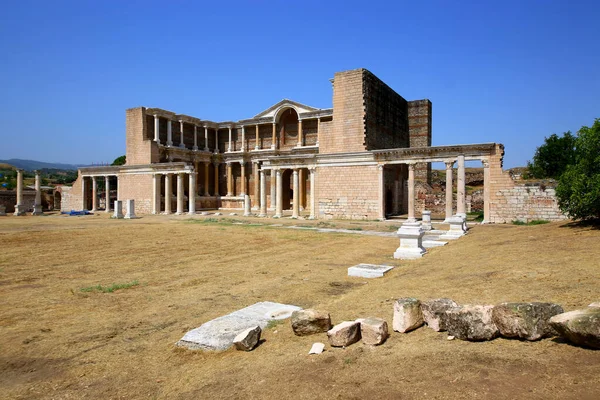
{"type": "Point", "coordinates": [182, 146]}
{"type": "Point", "coordinates": [19, 210]}
{"type": "Point", "coordinates": [262, 215]}
{"type": "Point", "coordinates": [37, 210]}
{"type": "Point", "coordinates": [195, 148]}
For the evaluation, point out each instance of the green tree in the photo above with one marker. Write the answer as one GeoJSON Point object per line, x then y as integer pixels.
{"type": "Point", "coordinates": [119, 161]}
{"type": "Point", "coordinates": [578, 189]}
{"type": "Point", "coordinates": [551, 158]}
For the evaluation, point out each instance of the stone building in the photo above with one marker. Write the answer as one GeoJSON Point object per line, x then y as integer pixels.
{"type": "Point", "coordinates": [356, 160]}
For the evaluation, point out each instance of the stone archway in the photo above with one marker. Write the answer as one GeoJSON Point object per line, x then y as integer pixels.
{"type": "Point", "coordinates": [57, 200]}
{"type": "Point", "coordinates": [288, 128]}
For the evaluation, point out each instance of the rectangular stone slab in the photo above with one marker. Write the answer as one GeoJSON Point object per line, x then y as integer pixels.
{"type": "Point", "coordinates": [218, 334]}
{"type": "Point", "coordinates": [369, 270]}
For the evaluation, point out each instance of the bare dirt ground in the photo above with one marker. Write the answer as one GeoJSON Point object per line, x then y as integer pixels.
{"type": "Point", "coordinates": [58, 342]}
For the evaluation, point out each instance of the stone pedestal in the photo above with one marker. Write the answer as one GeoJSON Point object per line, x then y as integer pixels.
{"type": "Point", "coordinates": [458, 228]}
{"type": "Point", "coordinates": [2, 211]}
{"type": "Point", "coordinates": [411, 241]}
{"type": "Point", "coordinates": [426, 220]}
{"type": "Point", "coordinates": [130, 214]}
{"type": "Point", "coordinates": [19, 210]}
{"type": "Point", "coordinates": [247, 206]}
{"type": "Point", "coordinates": [118, 209]}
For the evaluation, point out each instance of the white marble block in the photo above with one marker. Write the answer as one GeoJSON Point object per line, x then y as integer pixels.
{"type": "Point", "coordinates": [458, 228]}
{"type": "Point", "coordinates": [426, 220]}
{"type": "Point", "coordinates": [411, 241]}
{"type": "Point", "coordinates": [369, 270]}
{"type": "Point", "coordinates": [130, 214]}
{"type": "Point", "coordinates": [118, 209]}
{"type": "Point", "coordinates": [247, 206]}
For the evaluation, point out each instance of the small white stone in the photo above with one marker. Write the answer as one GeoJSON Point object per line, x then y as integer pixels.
{"type": "Point", "coordinates": [317, 348]}
{"type": "Point", "coordinates": [450, 337]}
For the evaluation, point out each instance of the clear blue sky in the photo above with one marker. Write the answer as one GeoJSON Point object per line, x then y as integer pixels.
{"type": "Point", "coordinates": [511, 72]}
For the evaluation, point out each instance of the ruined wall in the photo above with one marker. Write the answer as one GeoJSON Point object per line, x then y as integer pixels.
{"type": "Point", "coordinates": [8, 198]}
{"type": "Point", "coordinates": [140, 148]}
{"type": "Point", "coordinates": [71, 196]}
{"type": "Point", "coordinates": [386, 115]}
{"type": "Point", "coordinates": [138, 188]}
{"type": "Point", "coordinates": [419, 125]}
{"type": "Point", "coordinates": [347, 192]}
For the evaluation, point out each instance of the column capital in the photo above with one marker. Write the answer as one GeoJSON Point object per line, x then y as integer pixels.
{"type": "Point", "coordinates": [411, 166]}
{"type": "Point", "coordinates": [449, 164]}
{"type": "Point", "coordinates": [486, 163]}
{"type": "Point", "coordinates": [380, 167]}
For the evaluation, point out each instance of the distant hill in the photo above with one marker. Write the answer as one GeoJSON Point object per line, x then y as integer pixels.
{"type": "Point", "coordinates": [30, 165]}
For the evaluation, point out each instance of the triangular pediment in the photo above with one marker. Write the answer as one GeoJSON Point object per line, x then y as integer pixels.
{"type": "Point", "coordinates": [299, 107]}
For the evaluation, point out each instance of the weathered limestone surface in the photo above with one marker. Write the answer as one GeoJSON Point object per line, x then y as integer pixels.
{"type": "Point", "coordinates": [411, 241]}
{"type": "Point", "coordinates": [525, 320]}
{"type": "Point", "coordinates": [407, 315]}
{"type": "Point", "coordinates": [369, 270]}
{"type": "Point", "coordinates": [471, 322]}
{"type": "Point", "coordinates": [374, 331]}
{"type": "Point", "coordinates": [118, 209]}
{"type": "Point", "coordinates": [458, 228]}
{"type": "Point", "coordinates": [344, 334]}
{"type": "Point", "coordinates": [317, 348]}
{"type": "Point", "coordinates": [248, 339]}
{"type": "Point", "coordinates": [434, 312]}
{"type": "Point", "coordinates": [595, 304]}
{"type": "Point", "coordinates": [219, 333]}
{"type": "Point", "coordinates": [309, 321]}
{"type": "Point", "coordinates": [581, 327]}
{"type": "Point", "coordinates": [130, 212]}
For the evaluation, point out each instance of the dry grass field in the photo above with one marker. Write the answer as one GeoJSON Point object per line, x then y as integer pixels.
{"type": "Point", "coordinates": [61, 342]}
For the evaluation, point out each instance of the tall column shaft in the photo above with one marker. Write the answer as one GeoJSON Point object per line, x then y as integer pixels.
{"type": "Point", "coordinates": [169, 133]}
{"type": "Point", "coordinates": [257, 146]}
{"type": "Point", "coordinates": [216, 140]}
{"type": "Point", "coordinates": [229, 180]}
{"type": "Point", "coordinates": [300, 135]}
{"type": "Point", "coordinates": [263, 194]}
{"type": "Point", "coordinates": [192, 194]}
{"type": "Point", "coordinates": [94, 194]}
{"type": "Point", "coordinates": [318, 129]}
{"type": "Point", "coordinates": [156, 129]}
{"type": "Point", "coordinates": [195, 138]}
{"type": "Point", "coordinates": [180, 193]}
{"type": "Point", "coordinates": [302, 189]}
{"type": "Point", "coordinates": [206, 179]}
{"type": "Point", "coordinates": [243, 138]}
{"type": "Point", "coordinates": [168, 193]}
{"type": "Point", "coordinates": [20, 207]}
{"type": "Point", "coordinates": [279, 198]}
{"type": "Point", "coordinates": [216, 179]}
{"type": "Point", "coordinates": [107, 193]}
{"type": "Point", "coordinates": [274, 138]}
{"type": "Point", "coordinates": [118, 188]}
{"type": "Point", "coordinates": [257, 192]}
{"type": "Point", "coordinates": [273, 189]}
{"type": "Point", "coordinates": [296, 184]}
{"type": "Point", "coordinates": [460, 188]}
{"type": "Point", "coordinates": [411, 193]}
{"type": "Point", "coordinates": [313, 193]}
{"type": "Point", "coordinates": [449, 189]}
{"type": "Point", "coordinates": [243, 177]}
{"type": "Point", "coordinates": [156, 194]}
{"type": "Point", "coordinates": [181, 144]}
{"type": "Point", "coordinates": [380, 171]}
{"type": "Point", "coordinates": [206, 138]}
{"type": "Point", "coordinates": [486, 192]}
{"type": "Point", "coordinates": [229, 143]}
{"type": "Point", "coordinates": [37, 207]}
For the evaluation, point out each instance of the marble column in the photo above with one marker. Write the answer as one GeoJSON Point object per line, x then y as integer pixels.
{"type": "Point", "coordinates": [243, 177]}
{"type": "Point", "coordinates": [257, 146]}
{"type": "Point", "coordinates": [206, 179]}
{"type": "Point", "coordinates": [257, 193]}
{"type": "Point", "coordinates": [296, 189]}
{"type": "Point", "coordinates": [318, 129]}
{"type": "Point", "coordinates": [216, 179]}
{"type": "Point", "coordinates": [206, 138]}
{"type": "Point", "coordinates": [274, 138]}
{"type": "Point", "coordinates": [216, 140]}
{"type": "Point", "coordinates": [20, 207]}
{"type": "Point", "coordinates": [411, 193]}
{"type": "Point", "coordinates": [181, 144]}
{"type": "Point", "coordinates": [381, 180]}
{"type": "Point", "coordinates": [94, 194]}
{"type": "Point", "coordinates": [169, 133]}
{"type": "Point", "coordinates": [301, 189]}
{"type": "Point", "coordinates": [486, 191]}
{"type": "Point", "coordinates": [229, 143]}
{"type": "Point", "coordinates": [156, 194]}
{"type": "Point", "coordinates": [107, 193]}
{"type": "Point", "coordinates": [449, 189]}
{"type": "Point", "coordinates": [118, 188]}
{"type": "Point", "coordinates": [37, 207]}
{"type": "Point", "coordinates": [461, 189]}
{"type": "Point", "coordinates": [300, 135]}
{"type": "Point", "coordinates": [229, 180]}
{"type": "Point", "coordinates": [180, 193]}
{"type": "Point", "coordinates": [263, 194]}
{"type": "Point", "coordinates": [195, 138]}
{"type": "Point", "coordinates": [273, 190]}
{"type": "Point", "coordinates": [168, 193]}
{"type": "Point", "coordinates": [279, 197]}
{"type": "Point", "coordinates": [192, 193]}
{"type": "Point", "coordinates": [313, 192]}
{"type": "Point", "coordinates": [156, 129]}
{"type": "Point", "coordinates": [243, 141]}
{"type": "Point", "coordinates": [196, 180]}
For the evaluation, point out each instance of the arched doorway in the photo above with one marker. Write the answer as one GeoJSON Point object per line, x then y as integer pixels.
{"type": "Point", "coordinates": [287, 189]}
{"type": "Point", "coordinates": [288, 128]}
{"type": "Point", "coordinates": [57, 200]}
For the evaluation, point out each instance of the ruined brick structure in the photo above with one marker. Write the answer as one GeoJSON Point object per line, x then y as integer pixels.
{"type": "Point", "coordinates": [359, 159]}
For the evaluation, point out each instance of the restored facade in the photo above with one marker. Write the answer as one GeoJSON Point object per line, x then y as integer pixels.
{"type": "Point", "coordinates": [357, 160]}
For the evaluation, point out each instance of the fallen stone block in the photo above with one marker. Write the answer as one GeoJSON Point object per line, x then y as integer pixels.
{"type": "Point", "coordinates": [407, 315]}
{"type": "Point", "coordinates": [344, 334]}
{"type": "Point", "coordinates": [581, 327]}
{"type": "Point", "coordinates": [247, 339]}
{"type": "Point", "coordinates": [369, 270]}
{"type": "Point", "coordinates": [434, 313]}
{"type": "Point", "coordinates": [317, 348]}
{"type": "Point", "coordinates": [595, 304]}
{"type": "Point", "coordinates": [374, 331]}
{"type": "Point", "coordinates": [308, 322]}
{"type": "Point", "coordinates": [473, 323]}
{"type": "Point", "coordinates": [525, 320]}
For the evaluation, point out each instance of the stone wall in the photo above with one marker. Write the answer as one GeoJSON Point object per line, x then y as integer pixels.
{"type": "Point", "coordinates": [526, 203]}
{"type": "Point", "coordinates": [347, 192]}
{"type": "Point", "coordinates": [140, 149]}
{"type": "Point", "coordinates": [419, 122]}
{"type": "Point", "coordinates": [139, 188]}
{"type": "Point", "coordinates": [8, 198]}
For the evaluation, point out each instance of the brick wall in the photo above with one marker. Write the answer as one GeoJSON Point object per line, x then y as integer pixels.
{"type": "Point", "coordinates": [8, 198]}
{"type": "Point", "coordinates": [138, 188]}
{"type": "Point", "coordinates": [419, 123]}
{"type": "Point", "coordinates": [140, 148]}
{"type": "Point", "coordinates": [347, 192]}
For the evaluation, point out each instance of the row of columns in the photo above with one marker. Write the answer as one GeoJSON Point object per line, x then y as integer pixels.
{"type": "Point", "coordinates": [181, 141]}
{"type": "Point", "coordinates": [37, 205]}
{"type": "Point", "coordinates": [95, 192]}
{"type": "Point", "coordinates": [277, 192]}
{"type": "Point", "coordinates": [460, 190]}
{"type": "Point", "coordinates": [180, 193]}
